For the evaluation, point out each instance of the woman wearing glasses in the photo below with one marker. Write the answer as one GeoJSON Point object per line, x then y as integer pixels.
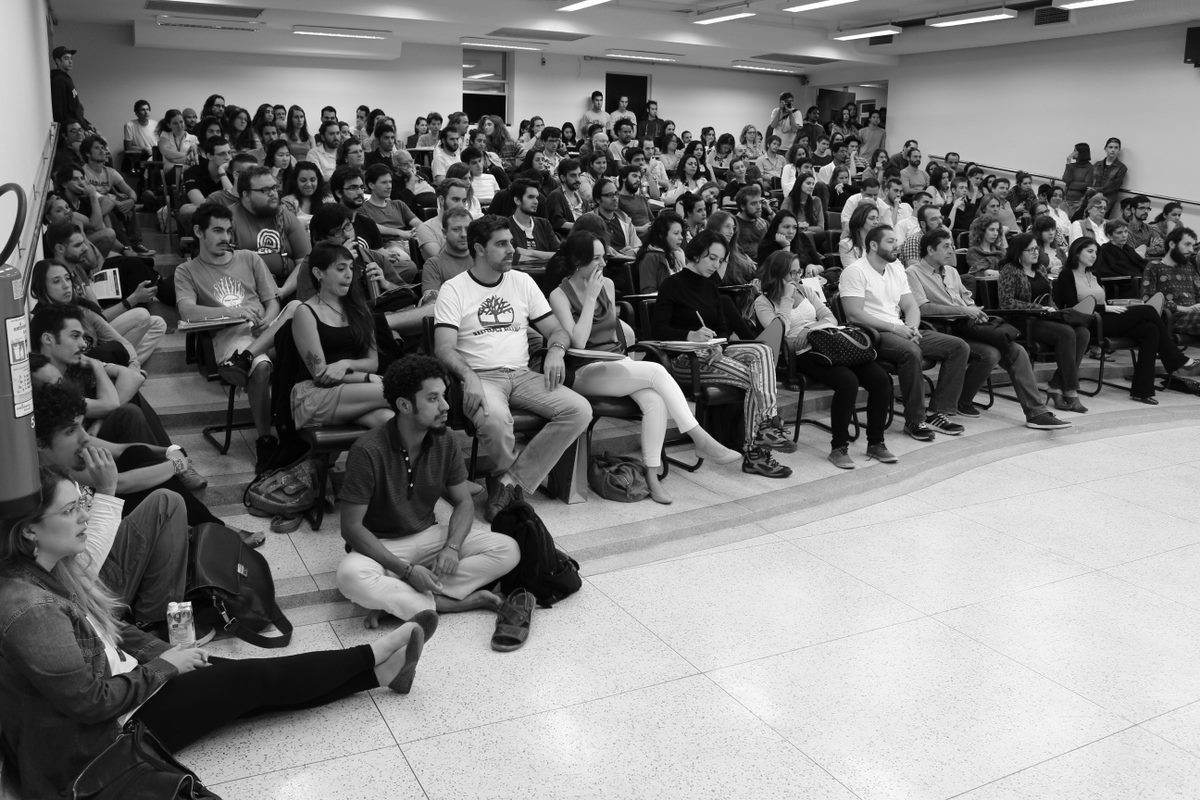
{"type": "Point", "coordinates": [801, 311]}
{"type": "Point", "coordinates": [690, 307]}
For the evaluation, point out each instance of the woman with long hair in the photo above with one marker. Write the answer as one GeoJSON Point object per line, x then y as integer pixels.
{"type": "Point", "coordinates": [265, 115]}
{"type": "Point", "coordinates": [721, 155]}
{"type": "Point", "coordinates": [751, 142]}
{"type": "Point", "coordinates": [803, 310]}
{"type": "Point", "coordinates": [840, 190]}
{"type": "Point", "coordinates": [843, 125]}
{"type": "Point", "coordinates": [852, 244]}
{"type": "Point", "coordinates": [51, 283]}
{"type": "Point", "coordinates": [695, 148]}
{"type": "Point", "coordinates": [585, 305]}
{"type": "Point", "coordinates": [986, 245]}
{"type": "Point", "coordinates": [280, 161]}
{"type": "Point", "coordinates": [1024, 286]}
{"type": "Point", "coordinates": [502, 143]}
{"type": "Point", "coordinates": [739, 268]}
{"type": "Point", "coordinates": [1077, 175]}
{"type": "Point", "coordinates": [570, 139]}
{"type": "Point", "coordinates": [690, 307]}
{"type": "Point", "coordinates": [685, 179]}
{"type": "Point", "coordinates": [1143, 323]}
{"type": "Point", "coordinates": [877, 166]}
{"type": "Point", "coordinates": [299, 140]}
{"type": "Point", "coordinates": [804, 204]}
{"type": "Point", "coordinates": [1169, 219]}
{"type": "Point", "coordinates": [334, 333]}
{"type": "Point", "coordinates": [351, 153]}
{"type": "Point", "coordinates": [661, 253]}
{"type": "Point", "coordinates": [1045, 233]}
{"type": "Point", "coordinates": [72, 672]}
{"type": "Point", "coordinates": [670, 151]}
{"type": "Point", "coordinates": [177, 147]}
{"type": "Point", "coordinates": [238, 130]}
{"type": "Point", "coordinates": [305, 191]}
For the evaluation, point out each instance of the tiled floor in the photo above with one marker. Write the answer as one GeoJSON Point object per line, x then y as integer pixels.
{"type": "Point", "coordinates": [1019, 624]}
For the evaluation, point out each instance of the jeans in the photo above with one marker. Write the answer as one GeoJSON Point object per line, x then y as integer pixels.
{"type": "Point", "coordinates": [485, 558]}
{"type": "Point", "coordinates": [142, 330]}
{"type": "Point", "coordinates": [569, 416]}
{"type": "Point", "coordinates": [1070, 344]}
{"type": "Point", "coordinates": [951, 351]}
{"type": "Point", "coordinates": [845, 381]}
{"type": "Point", "coordinates": [147, 566]}
{"type": "Point", "coordinates": [1147, 328]}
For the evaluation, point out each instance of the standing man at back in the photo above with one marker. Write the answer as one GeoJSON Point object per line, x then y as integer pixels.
{"type": "Point", "coordinates": [596, 115]}
{"type": "Point", "coordinates": [64, 97]}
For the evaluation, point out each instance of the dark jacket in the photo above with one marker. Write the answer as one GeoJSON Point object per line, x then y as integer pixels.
{"type": "Point", "coordinates": [64, 99]}
{"type": "Point", "coordinates": [684, 299]}
{"type": "Point", "coordinates": [59, 701]}
{"type": "Point", "coordinates": [1113, 261]}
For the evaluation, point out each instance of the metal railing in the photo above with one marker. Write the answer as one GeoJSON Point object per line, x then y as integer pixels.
{"type": "Point", "coordinates": [29, 246]}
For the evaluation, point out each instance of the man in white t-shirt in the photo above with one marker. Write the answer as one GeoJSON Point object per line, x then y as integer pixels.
{"type": "Point", "coordinates": [596, 115]}
{"type": "Point", "coordinates": [875, 294]}
{"type": "Point", "coordinates": [445, 155]}
{"type": "Point", "coordinates": [324, 155]}
{"type": "Point", "coordinates": [140, 137]}
{"type": "Point", "coordinates": [481, 334]}
{"type": "Point", "coordinates": [622, 112]}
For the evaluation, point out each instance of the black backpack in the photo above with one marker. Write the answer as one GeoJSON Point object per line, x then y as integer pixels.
{"type": "Point", "coordinates": [547, 572]}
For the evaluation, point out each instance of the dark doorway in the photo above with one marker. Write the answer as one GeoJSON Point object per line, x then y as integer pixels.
{"type": "Point", "coordinates": [476, 105]}
{"type": "Point", "coordinates": [831, 102]}
{"type": "Point", "coordinates": [635, 87]}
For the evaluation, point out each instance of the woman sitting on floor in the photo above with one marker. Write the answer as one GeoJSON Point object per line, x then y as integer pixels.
{"type": "Point", "coordinates": [802, 310]}
{"type": "Point", "coordinates": [334, 333]}
{"type": "Point", "coordinates": [72, 673]}
{"type": "Point", "coordinates": [690, 307]}
{"type": "Point", "coordinates": [585, 305]}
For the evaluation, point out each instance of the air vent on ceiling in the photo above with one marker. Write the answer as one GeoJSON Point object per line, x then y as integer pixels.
{"type": "Point", "coordinates": [788, 58]}
{"type": "Point", "coordinates": [1051, 16]}
{"type": "Point", "coordinates": [875, 41]}
{"type": "Point", "coordinates": [203, 9]}
{"type": "Point", "coordinates": [203, 23]}
{"type": "Point", "coordinates": [536, 35]}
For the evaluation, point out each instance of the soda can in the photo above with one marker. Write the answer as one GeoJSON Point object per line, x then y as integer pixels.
{"type": "Point", "coordinates": [181, 630]}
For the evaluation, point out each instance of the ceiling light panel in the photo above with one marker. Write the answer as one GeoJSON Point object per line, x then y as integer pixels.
{"type": "Point", "coordinates": [582, 4]}
{"type": "Point", "coordinates": [1071, 5]}
{"type": "Point", "coordinates": [756, 67]}
{"type": "Point", "coordinates": [972, 17]}
{"type": "Point", "coordinates": [340, 33]}
{"type": "Point", "coordinates": [817, 5]}
{"type": "Point", "coordinates": [727, 14]}
{"type": "Point", "coordinates": [865, 33]}
{"type": "Point", "coordinates": [535, 46]}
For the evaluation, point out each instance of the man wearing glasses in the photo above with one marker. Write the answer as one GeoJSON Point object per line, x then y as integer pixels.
{"type": "Point", "coordinates": [1143, 238]}
{"type": "Point", "coordinates": [622, 236]}
{"type": "Point", "coordinates": [261, 225]}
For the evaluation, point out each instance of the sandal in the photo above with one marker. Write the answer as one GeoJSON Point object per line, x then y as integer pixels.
{"type": "Point", "coordinates": [512, 621]}
{"type": "Point", "coordinates": [285, 524]}
{"type": "Point", "coordinates": [251, 538]}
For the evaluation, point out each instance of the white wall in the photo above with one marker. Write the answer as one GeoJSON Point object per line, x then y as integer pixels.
{"type": "Point", "coordinates": [25, 61]}
{"type": "Point", "coordinates": [560, 89]}
{"type": "Point", "coordinates": [1024, 106]}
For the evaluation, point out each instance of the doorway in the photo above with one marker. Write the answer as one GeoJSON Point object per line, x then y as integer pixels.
{"type": "Point", "coordinates": [635, 87]}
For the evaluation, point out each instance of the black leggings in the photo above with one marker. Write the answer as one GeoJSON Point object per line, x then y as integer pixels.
{"type": "Point", "coordinates": [845, 382]}
{"type": "Point", "coordinates": [191, 706]}
{"type": "Point", "coordinates": [1144, 325]}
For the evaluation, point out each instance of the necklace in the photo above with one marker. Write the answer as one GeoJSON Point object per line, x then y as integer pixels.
{"type": "Point", "coordinates": [341, 314]}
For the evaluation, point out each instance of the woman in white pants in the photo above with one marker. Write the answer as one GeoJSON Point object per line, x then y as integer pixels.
{"type": "Point", "coordinates": [585, 305]}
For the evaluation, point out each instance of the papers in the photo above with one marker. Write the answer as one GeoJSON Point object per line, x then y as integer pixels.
{"type": "Point", "coordinates": [209, 324]}
{"type": "Point", "coordinates": [684, 346]}
{"type": "Point", "coordinates": [595, 355]}
{"type": "Point", "coordinates": [107, 284]}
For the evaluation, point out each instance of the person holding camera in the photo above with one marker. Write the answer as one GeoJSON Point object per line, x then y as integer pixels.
{"type": "Point", "coordinates": [784, 123]}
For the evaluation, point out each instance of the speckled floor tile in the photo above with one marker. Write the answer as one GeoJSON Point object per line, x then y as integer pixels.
{"type": "Point", "coordinates": [1181, 726]}
{"type": "Point", "coordinates": [996, 482]}
{"type": "Point", "coordinates": [376, 774]}
{"type": "Point", "coordinates": [1171, 574]}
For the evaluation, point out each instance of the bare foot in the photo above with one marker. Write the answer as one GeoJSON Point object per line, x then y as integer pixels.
{"type": "Point", "coordinates": [398, 669]}
{"type": "Point", "coordinates": [657, 493]}
{"type": "Point", "coordinates": [373, 618]}
{"type": "Point", "coordinates": [480, 598]}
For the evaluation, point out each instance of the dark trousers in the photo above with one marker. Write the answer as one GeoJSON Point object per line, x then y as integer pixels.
{"type": "Point", "coordinates": [845, 382]}
{"type": "Point", "coordinates": [1070, 343]}
{"type": "Point", "coordinates": [139, 456]}
{"type": "Point", "coordinates": [1147, 328]}
{"type": "Point", "coordinates": [134, 422]}
{"type": "Point", "coordinates": [190, 706]}
{"type": "Point", "coordinates": [147, 566]}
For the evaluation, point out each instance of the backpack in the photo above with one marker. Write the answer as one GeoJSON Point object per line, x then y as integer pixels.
{"type": "Point", "coordinates": [287, 491]}
{"type": "Point", "coordinates": [620, 478]}
{"type": "Point", "coordinates": [231, 587]}
{"type": "Point", "coordinates": [547, 572]}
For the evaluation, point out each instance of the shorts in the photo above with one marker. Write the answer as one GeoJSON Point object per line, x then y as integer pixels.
{"type": "Point", "coordinates": [312, 405]}
{"type": "Point", "coordinates": [235, 339]}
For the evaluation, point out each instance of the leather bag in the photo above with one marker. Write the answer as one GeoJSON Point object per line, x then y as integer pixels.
{"type": "Point", "coordinates": [138, 767]}
{"type": "Point", "coordinates": [846, 345]}
{"type": "Point", "coordinates": [620, 478]}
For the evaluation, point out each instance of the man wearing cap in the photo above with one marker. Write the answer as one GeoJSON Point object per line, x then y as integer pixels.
{"type": "Point", "coordinates": [64, 97]}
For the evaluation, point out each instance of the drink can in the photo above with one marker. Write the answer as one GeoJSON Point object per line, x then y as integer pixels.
{"type": "Point", "coordinates": [181, 629]}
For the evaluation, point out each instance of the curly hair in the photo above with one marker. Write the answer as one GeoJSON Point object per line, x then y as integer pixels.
{"type": "Point", "coordinates": [405, 376]}
{"type": "Point", "coordinates": [56, 406]}
{"type": "Point", "coordinates": [979, 226]}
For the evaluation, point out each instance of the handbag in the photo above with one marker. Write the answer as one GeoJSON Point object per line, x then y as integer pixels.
{"type": "Point", "coordinates": [994, 331]}
{"type": "Point", "coordinates": [846, 345]}
{"type": "Point", "coordinates": [137, 767]}
{"type": "Point", "coordinates": [232, 585]}
{"type": "Point", "coordinates": [620, 478]}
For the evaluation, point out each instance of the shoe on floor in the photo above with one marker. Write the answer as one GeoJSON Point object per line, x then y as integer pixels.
{"type": "Point", "coordinates": [921, 432]}
{"type": "Point", "coordinates": [940, 423]}
{"type": "Point", "coordinates": [968, 410]}
{"type": "Point", "coordinates": [1149, 399]}
{"type": "Point", "coordinates": [880, 453]}
{"type": "Point", "coordinates": [759, 461]}
{"type": "Point", "coordinates": [840, 458]}
{"type": "Point", "coordinates": [501, 498]}
{"type": "Point", "coordinates": [774, 437]}
{"type": "Point", "coordinates": [1070, 404]}
{"type": "Point", "coordinates": [1190, 369]}
{"type": "Point", "coordinates": [193, 481]}
{"type": "Point", "coordinates": [1046, 422]}
{"type": "Point", "coordinates": [235, 370]}
{"type": "Point", "coordinates": [140, 249]}
{"type": "Point", "coordinates": [512, 621]}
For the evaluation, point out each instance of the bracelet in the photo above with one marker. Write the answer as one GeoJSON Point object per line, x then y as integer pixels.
{"type": "Point", "coordinates": [125, 302]}
{"type": "Point", "coordinates": [407, 573]}
{"type": "Point", "coordinates": [453, 547]}
{"type": "Point", "coordinates": [559, 345]}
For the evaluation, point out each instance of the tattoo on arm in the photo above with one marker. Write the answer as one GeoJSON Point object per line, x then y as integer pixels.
{"type": "Point", "coordinates": [314, 363]}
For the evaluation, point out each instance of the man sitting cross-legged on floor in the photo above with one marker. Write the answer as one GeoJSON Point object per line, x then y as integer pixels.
{"type": "Point", "coordinates": [399, 560]}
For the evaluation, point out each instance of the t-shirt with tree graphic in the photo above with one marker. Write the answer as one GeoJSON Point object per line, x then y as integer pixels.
{"type": "Point", "coordinates": [491, 321]}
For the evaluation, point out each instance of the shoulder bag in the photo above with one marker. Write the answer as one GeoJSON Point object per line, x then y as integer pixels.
{"type": "Point", "coordinates": [847, 345]}
{"type": "Point", "coordinates": [138, 767]}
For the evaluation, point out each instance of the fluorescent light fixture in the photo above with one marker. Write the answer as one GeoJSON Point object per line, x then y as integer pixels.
{"type": "Point", "coordinates": [209, 23]}
{"type": "Point", "coordinates": [1071, 5]}
{"type": "Point", "coordinates": [480, 76]}
{"type": "Point", "coordinates": [815, 6]}
{"type": "Point", "coordinates": [757, 67]}
{"type": "Point", "coordinates": [535, 46]}
{"type": "Point", "coordinates": [971, 17]}
{"type": "Point", "coordinates": [582, 4]}
{"type": "Point", "coordinates": [865, 33]}
{"type": "Point", "coordinates": [727, 14]}
{"type": "Point", "coordinates": [340, 33]}
{"type": "Point", "coordinates": [468, 66]}
{"type": "Point", "coordinates": [639, 55]}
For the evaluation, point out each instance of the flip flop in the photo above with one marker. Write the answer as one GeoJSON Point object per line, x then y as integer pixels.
{"type": "Point", "coordinates": [285, 524]}
{"type": "Point", "coordinates": [252, 538]}
{"type": "Point", "coordinates": [402, 683]}
{"type": "Point", "coordinates": [512, 621]}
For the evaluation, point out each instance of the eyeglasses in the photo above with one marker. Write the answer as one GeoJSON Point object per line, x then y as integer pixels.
{"type": "Point", "coordinates": [1033, 249]}
{"type": "Point", "coordinates": [82, 503]}
{"type": "Point", "coordinates": [608, 194]}
{"type": "Point", "coordinates": [266, 189]}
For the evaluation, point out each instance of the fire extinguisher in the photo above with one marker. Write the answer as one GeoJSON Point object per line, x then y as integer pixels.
{"type": "Point", "coordinates": [20, 488]}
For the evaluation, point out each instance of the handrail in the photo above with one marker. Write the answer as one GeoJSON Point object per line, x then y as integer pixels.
{"type": "Point", "coordinates": [1053, 181]}
{"type": "Point", "coordinates": [28, 248]}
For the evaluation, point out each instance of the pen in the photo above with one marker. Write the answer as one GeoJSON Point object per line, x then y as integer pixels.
{"type": "Point", "coordinates": [702, 325]}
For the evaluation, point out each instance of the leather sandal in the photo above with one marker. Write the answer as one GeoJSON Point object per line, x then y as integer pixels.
{"type": "Point", "coordinates": [285, 524]}
{"type": "Point", "coordinates": [512, 621]}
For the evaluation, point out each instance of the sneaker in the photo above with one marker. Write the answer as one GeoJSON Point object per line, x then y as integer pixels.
{"type": "Point", "coordinates": [759, 461]}
{"type": "Point", "coordinates": [140, 249]}
{"type": "Point", "coordinates": [1046, 422]}
{"type": "Point", "coordinates": [265, 448]}
{"type": "Point", "coordinates": [500, 499]}
{"type": "Point", "coordinates": [968, 410]}
{"type": "Point", "coordinates": [1065, 403]}
{"type": "Point", "coordinates": [1190, 369]}
{"type": "Point", "coordinates": [774, 437]}
{"type": "Point", "coordinates": [880, 453]}
{"type": "Point", "coordinates": [840, 458]}
{"type": "Point", "coordinates": [236, 369]}
{"type": "Point", "coordinates": [921, 432]}
{"type": "Point", "coordinates": [193, 481]}
{"type": "Point", "coordinates": [941, 424]}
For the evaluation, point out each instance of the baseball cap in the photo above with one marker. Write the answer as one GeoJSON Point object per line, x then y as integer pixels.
{"type": "Point", "coordinates": [61, 51]}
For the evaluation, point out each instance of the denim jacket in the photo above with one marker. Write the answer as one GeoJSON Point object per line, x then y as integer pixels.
{"type": "Point", "coordinates": [59, 701]}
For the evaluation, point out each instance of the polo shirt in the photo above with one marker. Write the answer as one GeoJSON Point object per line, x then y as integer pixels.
{"type": "Point", "coordinates": [399, 504]}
